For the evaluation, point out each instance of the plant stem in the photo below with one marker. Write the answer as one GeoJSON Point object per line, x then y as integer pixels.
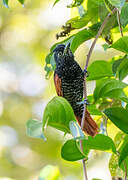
{"type": "Point", "coordinates": [119, 22]}
{"type": "Point", "coordinates": [85, 88]}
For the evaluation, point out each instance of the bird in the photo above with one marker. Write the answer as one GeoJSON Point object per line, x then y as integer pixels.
{"type": "Point", "coordinates": [69, 80]}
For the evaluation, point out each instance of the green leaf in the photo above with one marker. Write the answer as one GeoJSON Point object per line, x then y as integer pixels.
{"type": "Point", "coordinates": [34, 129]}
{"type": "Point", "coordinates": [93, 9]}
{"type": "Point", "coordinates": [119, 116]}
{"type": "Point", "coordinates": [21, 1]}
{"type": "Point", "coordinates": [109, 88]}
{"type": "Point", "coordinates": [121, 44]}
{"type": "Point", "coordinates": [97, 143]}
{"type": "Point", "coordinates": [124, 15]}
{"type": "Point", "coordinates": [5, 2]}
{"type": "Point", "coordinates": [79, 22]}
{"type": "Point", "coordinates": [49, 172]}
{"type": "Point", "coordinates": [114, 166]}
{"type": "Point", "coordinates": [123, 68]}
{"type": "Point", "coordinates": [118, 138]}
{"type": "Point", "coordinates": [115, 65]}
{"type": "Point", "coordinates": [123, 153]}
{"type": "Point", "coordinates": [117, 3]}
{"type": "Point", "coordinates": [71, 152]}
{"type": "Point", "coordinates": [58, 113]}
{"type": "Point", "coordinates": [56, 1]}
{"type": "Point", "coordinates": [99, 69]}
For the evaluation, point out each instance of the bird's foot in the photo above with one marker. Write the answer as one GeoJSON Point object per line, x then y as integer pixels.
{"type": "Point", "coordinates": [86, 72]}
{"type": "Point", "coordinates": [85, 101]}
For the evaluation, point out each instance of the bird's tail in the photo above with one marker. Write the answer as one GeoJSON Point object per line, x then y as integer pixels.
{"type": "Point", "coordinates": [90, 126]}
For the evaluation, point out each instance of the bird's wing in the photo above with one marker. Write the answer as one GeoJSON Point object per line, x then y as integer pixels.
{"type": "Point", "coordinates": [58, 84]}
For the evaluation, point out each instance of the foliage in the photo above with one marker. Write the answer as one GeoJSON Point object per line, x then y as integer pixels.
{"type": "Point", "coordinates": [110, 96]}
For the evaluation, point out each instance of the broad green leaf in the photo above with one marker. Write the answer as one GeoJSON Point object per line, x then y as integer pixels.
{"type": "Point", "coordinates": [5, 2]}
{"type": "Point", "coordinates": [99, 69]}
{"type": "Point", "coordinates": [21, 1]}
{"type": "Point", "coordinates": [123, 68]}
{"type": "Point", "coordinates": [114, 166]}
{"type": "Point", "coordinates": [58, 113]}
{"type": "Point", "coordinates": [123, 150]}
{"type": "Point", "coordinates": [115, 65]}
{"type": "Point", "coordinates": [34, 129]}
{"type": "Point", "coordinates": [121, 44]}
{"type": "Point", "coordinates": [71, 149]}
{"type": "Point", "coordinates": [93, 9]}
{"type": "Point", "coordinates": [109, 88]}
{"type": "Point", "coordinates": [49, 172]}
{"type": "Point", "coordinates": [119, 116]}
{"type": "Point", "coordinates": [71, 152]}
{"type": "Point", "coordinates": [81, 10]}
{"type": "Point", "coordinates": [97, 143]}
{"type": "Point", "coordinates": [124, 15]}
{"type": "Point", "coordinates": [79, 22]}
{"type": "Point", "coordinates": [117, 3]}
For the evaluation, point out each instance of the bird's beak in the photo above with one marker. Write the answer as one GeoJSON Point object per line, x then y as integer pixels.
{"type": "Point", "coordinates": [66, 48]}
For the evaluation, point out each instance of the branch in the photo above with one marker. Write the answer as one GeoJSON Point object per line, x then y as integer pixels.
{"type": "Point", "coordinates": [85, 88]}
{"type": "Point", "coordinates": [119, 22]}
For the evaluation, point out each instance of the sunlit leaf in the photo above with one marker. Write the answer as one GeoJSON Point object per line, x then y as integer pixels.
{"type": "Point", "coordinates": [117, 3]}
{"type": "Point", "coordinates": [5, 2]}
{"type": "Point", "coordinates": [118, 138]}
{"type": "Point", "coordinates": [121, 44]}
{"type": "Point", "coordinates": [58, 113]}
{"type": "Point", "coordinates": [123, 68]}
{"type": "Point", "coordinates": [99, 69]}
{"type": "Point", "coordinates": [119, 116]}
{"type": "Point", "coordinates": [109, 88]}
{"type": "Point", "coordinates": [114, 166]}
{"type": "Point", "coordinates": [115, 65]}
{"type": "Point", "coordinates": [75, 3]}
{"type": "Point", "coordinates": [123, 153]}
{"type": "Point", "coordinates": [34, 129]}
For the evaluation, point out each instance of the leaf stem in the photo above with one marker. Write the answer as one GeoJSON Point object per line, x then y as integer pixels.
{"type": "Point", "coordinates": [85, 88]}
{"type": "Point", "coordinates": [119, 22]}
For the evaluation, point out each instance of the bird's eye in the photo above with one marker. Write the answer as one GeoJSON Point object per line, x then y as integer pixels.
{"type": "Point", "coordinates": [60, 54]}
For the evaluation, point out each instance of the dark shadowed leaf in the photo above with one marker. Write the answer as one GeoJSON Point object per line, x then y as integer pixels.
{"type": "Point", "coordinates": [21, 1]}
{"type": "Point", "coordinates": [99, 69]}
{"type": "Point", "coordinates": [58, 113]}
{"type": "Point", "coordinates": [124, 15]}
{"type": "Point", "coordinates": [123, 153]}
{"type": "Point", "coordinates": [123, 68]}
{"type": "Point", "coordinates": [34, 129]}
{"type": "Point", "coordinates": [71, 152]}
{"type": "Point", "coordinates": [109, 88]}
{"type": "Point", "coordinates": [121, 44]}
{"type": "Point", "coordinates": [119, 116]}
{"type": "Point", "coordinates": [5, 2]}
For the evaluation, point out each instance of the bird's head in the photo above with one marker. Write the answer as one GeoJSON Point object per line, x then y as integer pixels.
{"type": "Point", "coordinates": [62, 52]}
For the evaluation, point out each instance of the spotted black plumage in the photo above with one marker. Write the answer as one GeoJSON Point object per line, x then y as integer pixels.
{"type": "Point", "coordinates": [69, 79]}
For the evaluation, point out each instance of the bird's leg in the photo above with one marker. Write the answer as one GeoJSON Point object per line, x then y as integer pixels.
{"type": "Point", "coordinates": [86, 72]}
{"type": "Point", "coordinates": [85, 101]}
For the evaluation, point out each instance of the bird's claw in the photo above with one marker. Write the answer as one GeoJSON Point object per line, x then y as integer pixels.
{"type": "Point", "coordinates": [85, 101]}
{"type": "Point", "coordinates": [86, 72]}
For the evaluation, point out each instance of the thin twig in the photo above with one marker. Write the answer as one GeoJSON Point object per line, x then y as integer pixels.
{"type": "Point", "coordinates": [85, 88]}
{"type": "Point", "coordinates": [119, 22]}
{"type": "Point", "coordinates": [125, 166]}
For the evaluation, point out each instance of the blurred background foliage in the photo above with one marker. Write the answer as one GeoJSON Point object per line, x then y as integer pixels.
{"type": "Point", "coordinates": [26, 35]}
